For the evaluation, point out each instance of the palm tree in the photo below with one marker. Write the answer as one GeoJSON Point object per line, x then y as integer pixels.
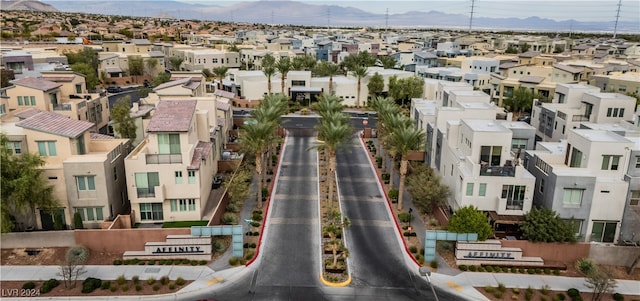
{"type": "Point", "coordinates": [283, 65]}
{"type": "Point", "coordinates": [151, 63]}
{"type": "Point", "coordinates": [220, 73]}
{"type": "Point", "coordinates": [255, 137]}
{"type": "Point", "coordinates": [334, 132]}
{"type": "Point", "coordinates": [175, 61]}
{"type": "Point", "coordinates": [392, 122]}
{"type": "Point", "coordinates": [359, 73]}
{"type": "Point", "coordinates": [387, 62]}
{"type": "Point", "coordinates": [268, 71]}
{"type": "Point", "coordinates": [270, 110]}
{"type": "Point", "coordinates": [385, 107]}
{"type": "Point", "coordinates": [328, 69]}
{"type": "Point", "coordinates": [405, 139]}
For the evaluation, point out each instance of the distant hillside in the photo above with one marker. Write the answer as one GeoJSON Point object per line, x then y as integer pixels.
{"type": "Point", "coordinates": [298, 13]}
{"type": "Point", "coordinates": [33, 5]}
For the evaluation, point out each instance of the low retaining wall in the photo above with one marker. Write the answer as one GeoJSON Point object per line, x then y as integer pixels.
{"type": "Point", "coordinates": [551, 252]}
{"type": "Point", "coordinates": [37, 239]}
{"type": "Point", "coordinates": [613, 255]}
{"type": "Point", "coordinates": [121, 240]}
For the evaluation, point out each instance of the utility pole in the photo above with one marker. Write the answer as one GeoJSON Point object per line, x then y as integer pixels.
{"type": "Point", "coordinates": [328, 18]}
{"type": "Point", "coordinates": [473, 4]}
{"type": "Point", "coordinates": [615, 28]}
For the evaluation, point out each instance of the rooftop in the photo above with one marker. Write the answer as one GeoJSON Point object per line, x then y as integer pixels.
{"type": "Point", "coordinates": [36, 83]}
{"type": "Point", "coordinates": [601, 136]}
{"type": "Point", "coordinates": [57, 124]}
{"type": "Point", "coordinates": [172, 116]}
{"type": "Point", "coordinates": [478, 125]}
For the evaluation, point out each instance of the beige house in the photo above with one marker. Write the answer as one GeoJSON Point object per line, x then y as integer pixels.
{"type": "Point", "coordinates": [170, 172]}
{"type": "Point", "coordinates": [86, 169]}
{"type": "Point", "coordinates": [115, 56]}
{"type": "Point", "coordinates": [63, 92]}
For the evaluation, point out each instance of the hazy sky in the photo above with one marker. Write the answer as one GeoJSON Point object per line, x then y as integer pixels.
{"type": "Point", "coordinates": [602, 10]}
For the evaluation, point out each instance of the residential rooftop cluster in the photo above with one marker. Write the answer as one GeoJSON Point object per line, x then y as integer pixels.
{"type": "Point", "coordinates": [579, 154]}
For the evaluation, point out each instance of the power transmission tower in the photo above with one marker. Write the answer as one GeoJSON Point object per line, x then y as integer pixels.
{"type": "Point", "coordinates": [615, 27]}
{"type": "Point", "coordinates": [473, 4]}
{"type": "Point", "coordinates": [328, 18]}
{"type": "Point", "coordinates": [386, 20]}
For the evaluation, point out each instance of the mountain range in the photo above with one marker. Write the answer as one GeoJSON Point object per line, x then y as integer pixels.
{"type": "Point", "coordinates": [298, 13]}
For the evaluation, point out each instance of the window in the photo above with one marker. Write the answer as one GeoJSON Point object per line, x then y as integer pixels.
{"type": "Point", "coordinates": [576, 158]}
{"type": "Point", "coordinates": [20, 102]}
{"type": "Point", "coordinates": [572, 197]}
{"type": "Point", "coordinates": [634, 200]}
{"type": "Point", "coordinates": [514, 195]}
{"type": "Point", "coordinates": [3, 109]}
{"type": "Point", "coordinates": [15, 147]}
{"type": "Point", "coordinates": [298, 83]}
{"type": "Point", "coordinates": [169, 143]}
{"type": "Point", "coordinates": [518, 143]}
{"type": "Point", "coordinates": [151, 211]}
{"type": "Point", "coordinates": [603, 231]}
{"type": "Point", "coordinates": [33, 100]}
{"type": "Point", "coordinates": [491, 155]}
{"type": "Point", "coordinates": [90, 214]}
{"type": "Point", "coordinates": [541, 185]}
{"type": "Point", "coordinates": [615, 112]}
{"type": "Point", "coordinates": [79, 88]}
{"type": "Point", "coordinates": [469, 189]}
{"type": "Point", "coordinates": [482, 189]}
{"type": "Point", "coordinates": [80, 145]}
{"type": "Point", "coordinates": [145, 183]}
{"type": "Point", "coordinates": [182, 205]}
{"type": "Point", "coordinates": [86, 183]}
{"type": "Point", "coordinates": [178, 177]}
{"type": "Point", "coordinates": [575, 224]}
{"type": "Point", "coordinates": [192, 176]}
{"type": "Point", "coordinates": [115, 173]}
{"type": "Point", "coordinates": [637, 161]}
{"type": "Point", "coordinates": [610, 162]}
{"type": "Point", "coordinates": [47, 148]}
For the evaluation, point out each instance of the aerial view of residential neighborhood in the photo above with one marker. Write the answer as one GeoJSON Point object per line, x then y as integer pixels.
{"type": "Point", "coordinates": [320, 150]}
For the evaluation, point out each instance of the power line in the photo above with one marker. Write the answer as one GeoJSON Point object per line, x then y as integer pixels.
{"type": "Point", "coordinates": [386, 20]}
{"type": "Point", "coordinates": [615, 28]}
{"type": "Point", "coordinates": [473, 4]}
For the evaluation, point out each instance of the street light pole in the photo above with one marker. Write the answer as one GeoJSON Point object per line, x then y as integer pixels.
{"type": "Point", "coordinates": [425, 271]}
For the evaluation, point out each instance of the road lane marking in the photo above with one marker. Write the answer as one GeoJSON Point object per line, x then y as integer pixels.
{"type": "Point", "coordinates": [454, 285]}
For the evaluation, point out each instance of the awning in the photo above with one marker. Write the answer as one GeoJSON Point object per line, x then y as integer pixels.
{"type": "Point", "coordinates": [506, 219]}
{"type": "Point", "coordinates": [113, 70]}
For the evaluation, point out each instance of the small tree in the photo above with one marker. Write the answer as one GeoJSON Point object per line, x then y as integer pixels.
{"type": "Point", "coordinates": [520, 100]}
{"type": "Point", "coordinates": [175, 61]}
{"type": "Point", "coordinates": [602, 282]}
{"type": "Point", "coordinates": [375, 85]}
{"type": "Point", "coordinates": [544, 225]}
{"type": "Point", "coordinates": [426, 189]}
{"type": "Point", "coordinates": [72, 266]}
{"type": "Point", "coordinates": [470, 220]}
{"type": "Point", "coordinates": [124, 125]}
{"type": "Point", "coordinates": [136, 65]}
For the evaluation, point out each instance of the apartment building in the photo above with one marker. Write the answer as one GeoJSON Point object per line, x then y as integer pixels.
{"type": "Point", "coordinates": [115, 56]}
{"type": "Point", "coordinates": [576, 103]}
{"type": "Point", "coordinates": [624, 83]}
{"type": "Point", "coordinates": [582, 179]}
{"type": "Point", "coordinates": [85, 169]}
{"type": "Point", "coordinates": [199, 59]}
{"type": "Point", "coordinates": [171, 171]}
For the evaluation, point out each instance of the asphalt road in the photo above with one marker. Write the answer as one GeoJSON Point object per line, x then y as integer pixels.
{"type": "Point", "coordinates": [291, 122]}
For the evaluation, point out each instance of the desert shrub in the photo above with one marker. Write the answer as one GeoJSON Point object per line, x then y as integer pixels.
{"type": "Point", "coordinates": [585, 266]}
{"type": "Point", "coordinates": [202, 262]}
{"type": "Point", "coordinates": [481, 269]}
{"type": "Point", "coordinates": [125, 288]}
{"type": "Point", "coordinates": [404, 217]}
{"type": "Point", "coordinates": [446, 245]}
{"type": "Point", "coordinates": [413, 249]}
{"type": "Point", "coordinates": [180, 281]}
{"type": "Point", "coordinates": [505, 269]}
{"type": "Point", "coordinates": [172, 286]}
{"type": "Point", "coordinates": [560, 296]}
{"type": "Point", "coordinates": [497, 294]}
{"type": "Point", "coordinates": [256, 216]}
{"type": "Point", "coordinates": [229, 219]}
{"type": "Point", "coordinates": [501, 287]}
{"type": "Point", "coordinates": [138, 287]}
{"type": "Point", "coordinates": [544, 290]}
{"type": "Point", "coordinates": [233, 207]}
{"type": "Point", "coordinates": [434, 264]}
{"type": "Point", "coordinates": [113, 288]}
{"type": "Point", "coordinates": [255, 224]}
{"type": "Point", "coordinates": [48, 285]}
{"type": "Point", "coordinates": [233, 261]}
{"type": "Point", "coordinates": [151, 280]}
{"type": "Point", "coordinates": [547, 271]}
{"type": "Point", "coordinates": [252, 245]}
{"type": "Point", "coordinates": [521, 271]}
{"type": "Point", "coordinates": [105, 285]}
{"type": "Point", "coordinates": [218, 246]}
{"type": "Point", "coordinates": [516, 290]}
{"type": "Point", "coordinates": [90, 284]}
{"type": "Point", "coordinates": [28, 285]}
{"type": "Point", "coordinates": [77, 255]}
{"type": "Point", "coordinates": [515, 297]}
{"type": "Point", "coordinates": [489, 268]}
{"type": "Point", "coordinates": [462, 267]}
{"type": "Point", "coordinates": [618, 297]}
{"type": "Point", "coordinates": [164, 280]}
{"type": "Point", "coordinates": [489, 289]}
{"type": "Point", "coordinates": [472, 268]}
{"type": "Point", "coordinates": [117, 262]}
{"type": "Point", "coordinates": [249, 255]}
{"type": "Point", "coordinates": [121, 280]}
{"type": "Point", "coordinates": [572, 292]}
{"type": "Point", "coordinates": [156, 287]}
{"type": "Point", "coordinates": [420, 258]}
{"type": "Point", "coordinates": [556, 272]}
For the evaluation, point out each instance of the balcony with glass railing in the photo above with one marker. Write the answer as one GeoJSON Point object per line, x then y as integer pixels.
{"type": "Point", "coordinates": [164, 158]}
{"type": "Point", "coordinates": [498, 171]}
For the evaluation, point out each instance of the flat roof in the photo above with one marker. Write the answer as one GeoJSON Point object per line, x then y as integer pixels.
{"type": "Point", "coordinates": [601, 136]}
{"type": "Point", "coordinates": [479, 125]}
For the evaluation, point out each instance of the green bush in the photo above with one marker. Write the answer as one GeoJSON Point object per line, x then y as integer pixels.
{"type": "Point", "coordinates": [489, 289]}
{"type": "Point", "coordinates": [514, 270]}
{"type": "Point", "coordinates": [531, 271]}
{"type": "Point", "coordinates": [544, 290]}
{"type": "Point", "coordinates": [90, 284]}
{"type": "Point", "coordinates": [202, 262]}
{"type": "Point", "coordinates": [180, 281]}
{"type": "Point", "coordinates": [105, 285]}
{"type": "Point", "coordinates": [489, 268]}
{"type": "Point", "coordinates": [505, 269]}
{"type": "Point", "coordinates": [252, 245]}
{"type": "Point", "coordinates": [413, 249]}
{"type": "Point", "coordinates": [125, 288]}
{"type": "Point", "coordinates": [121, 280]}
{"type": "Point", "coordinates": [462, 267]}
{"type": "Point", "coordinates": [249, 255]}
{"type": "Point", "coordinates": [420, 258]}
{"type": "Point", "coordinates": [156, 287]}
{"type": "Point", "coordinates": [560, 296]}
{"type": "Point", "coordinates": [472, 268]}
{"type": "Point", "coordinates": [29, 285]}
{"type": "Point", "coordinates": [229, 219]}
{"type": "Point", "coordinates": [501, 287]}
{"type": "Point", "coordinates": [618, 297]}
{"type": "Point", "coordinates": [117, 262]}
{"type": "Point", "coordinates": [233, 261]}
{"type": "Point", "coordinates": [393, 194]}
{"type": "Point", "coordinates": [218, 246]}
{"type": "Point", "coordinates": [48, 285]}
{"type": "Point", "coordinates": [497, 294]}
{"type": "Point", "coordinates": [556, 272]}
{"type": "Point", "coordinates": [172, 286]}
{"type": "Point", "coordinates": [77, 255]}
{"type": "Point", "coordinates": [538, 271]}
{"type": "Point", "coordinates": [164, 280]}
{"type": "Point", "coordinates": [572, 292]}
{"type": "Point", "coordinates": [256, 233]}
{"type": "Point", "coordinates": [481, 269]}
{"type": "Point", "coordinates": [434, 264]}
{"type": "Point", "coordinates": [547, 271]}
{"type": "Point", "coordinates": [151, 280]}
{"type": "Point", "coordinates": [194, 262]}
{"type": "Point", "coordinates": [521, 271]}
{"type": "Point", "coordinates": [586, 266]}
{"type": "Point", "coordinates": [151, 262]}
{"type": "Point", "coordinates": [404, 217]}
{"type": "Point", "coordinates": [256, 216]}
{"type": "Point", "coordinates": [138, 287]}
{"type": "Point", "coordinates": [255, 224]}
{"type": "Point", "coordinates": [113, 288]}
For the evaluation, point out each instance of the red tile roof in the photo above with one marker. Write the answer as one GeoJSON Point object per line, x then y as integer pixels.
{"type": "Point", "coordinates": [24, 114]}
{"type": "Point", "coordinates": [172, 116]}
{"type": "Point", "coordinates": [57, 124]}
{"type": "Point", "coordinates": [203, 149]}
